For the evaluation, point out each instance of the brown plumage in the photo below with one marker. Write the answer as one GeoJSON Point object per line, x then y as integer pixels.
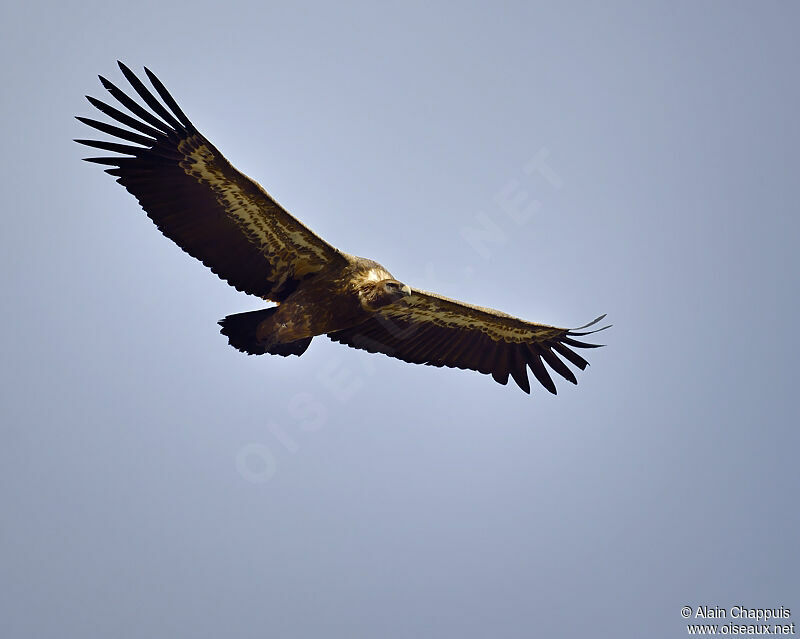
{"type": "Point", "coordinates": [227, 221]}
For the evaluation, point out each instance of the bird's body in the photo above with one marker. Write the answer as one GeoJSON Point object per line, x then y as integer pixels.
{"type": "Point", "coordinates": [341, 297]}
{"type": "Point", "coordinates": [230, 223]}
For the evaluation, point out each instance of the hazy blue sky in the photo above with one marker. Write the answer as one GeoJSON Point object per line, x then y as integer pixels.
{"type": "Point", "coordinates": [154, 482]}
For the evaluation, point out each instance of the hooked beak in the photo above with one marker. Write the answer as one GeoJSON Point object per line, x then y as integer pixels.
{"type": "Point", "coordinates": [406, 289]}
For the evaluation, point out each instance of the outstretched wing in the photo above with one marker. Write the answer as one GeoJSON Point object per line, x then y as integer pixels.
{"type": "Point", "coordinates": [200, 201]}
{"type": "Point", "coordinates": [427, 328]}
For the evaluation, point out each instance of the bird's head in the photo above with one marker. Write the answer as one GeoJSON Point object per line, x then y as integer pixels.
{"type": "Point", "coordinates": [376, 295]}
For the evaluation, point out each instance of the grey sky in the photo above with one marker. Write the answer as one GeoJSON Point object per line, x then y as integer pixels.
{"type": "Point", "coordinates": [157, 483]}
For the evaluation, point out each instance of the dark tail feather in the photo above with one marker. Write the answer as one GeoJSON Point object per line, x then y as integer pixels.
{"type": "Point", "coordinates": [240, 329]}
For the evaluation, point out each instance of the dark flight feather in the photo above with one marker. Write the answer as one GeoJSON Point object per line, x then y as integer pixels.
{"type": "Point", "coordinates": [118, 131]}
{"type": "Point", "coordinates": [124, 118]}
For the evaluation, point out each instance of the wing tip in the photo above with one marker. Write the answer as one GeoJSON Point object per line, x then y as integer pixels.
{"type": "Point", "coordinates": [579, 332]}
{"type": "Point", "coordinates": [592, 323]}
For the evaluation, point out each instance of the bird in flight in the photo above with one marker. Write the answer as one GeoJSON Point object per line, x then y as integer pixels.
{"type": "Point", "coordinates": [233, 226]}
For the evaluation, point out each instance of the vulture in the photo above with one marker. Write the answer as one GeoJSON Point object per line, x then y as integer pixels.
{"type": "Point", "coordinates": [232, 225]}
